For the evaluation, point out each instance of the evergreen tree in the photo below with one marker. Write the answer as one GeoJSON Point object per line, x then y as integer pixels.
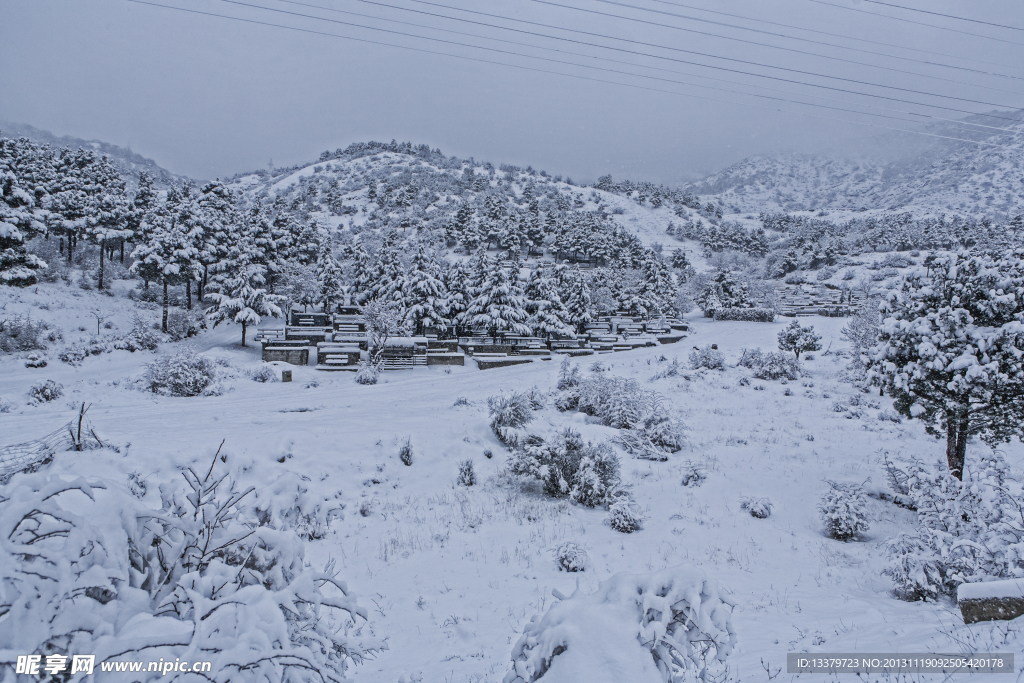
{"type": "Point", "coordinates": [144, 201]}
{"type": "Point", "coordinates": [328, 273]}
{"type": "Point", "coordinates": [20, 219]}
{"type": "Point", "coordinates": [798, 339]}
{"type": "Point", "coordinates": [549, 316]}
{"type": "Point", "coordinates": [577, 300]}
{"type": "Point", "coordinates": [426, 295]}
{"type": "Point", "coordinates": [107, 221]}
{"type": "Point", "coordinates": [363, 278]}
{"type": "Point", "coordinates": [260, 227]}
{"type": "Point", "coordinates": [389, 279]}
{"type": "Point", "coordinates": [306, 249]}
{"type": "Point", "coordinates": [221, 228]}
{"type": "Point", "coordinates": [242, 298]}
{"type": "Point", "coordinates": [456, 284]}
{"type": "Point", "coordinates": [499, 304]}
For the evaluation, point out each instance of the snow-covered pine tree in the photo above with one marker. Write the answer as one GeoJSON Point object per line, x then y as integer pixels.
{"type": "Point", "coordinates": [21, 218]}
{"type": "Point", "coordinates": [241, 298]}
{"type": "Point", "coordinates": [426, 300]}
{"type": "Point", "coordinates": [221, 227]}
{"type": "Point", "coordinates": [307, 249]}
{"type": "Point", "coordinates": [950, 346]}
{"type": "Point", "coordinates": [499, 304]}
{"type": "Point", "coordinates": [389, 279]}
{"type": "Point", "coordinates": [144, 201]}
{"type": "Point", "coordinates": [577, 300]}
{"type": "Point", "coordinates": [107, 221]}
{"type": "Point", "coordinates": [798, 339]}
{"type": "Point", "coordinates": [170, 255]}
{"type": "Point", "coordinates": [259, 226]}
{"type": "Point", "coordinates": [456, 283]}
{"type": "Point", "coordinates": [328, 273]}
{"type": "Point", "coordinates": [549, 316]}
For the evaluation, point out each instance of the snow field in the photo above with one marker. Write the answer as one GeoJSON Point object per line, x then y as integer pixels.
{"type": "Point", "coordinates": [451, 574]}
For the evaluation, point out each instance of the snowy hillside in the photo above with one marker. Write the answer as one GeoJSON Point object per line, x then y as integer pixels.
{"type": "Point", "coordinates": [983, 177]}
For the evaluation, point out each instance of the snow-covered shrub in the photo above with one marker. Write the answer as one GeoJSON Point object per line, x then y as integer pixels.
{"type": "Point", "coordinates": [509, 413]}
{"type": "Point", "coordinates": [568, 375]}
{"type": "Point", "coordinates": [289, 503]}
{"type": "Point", "coordinates": [263, 374]}
{"type": "Point", "coordinates": [567, 400]}
{"type": "Point", "coordinates": [843, 510]}
{"type": "Point", "coordinates": [799, 339]}
{"type": "Point", "coordinates": [825, 274]}
{"type": "Point", "coordinates": [754, 315]}
{"type": "Point", "coordinates": [22, 333]}
{"type": "Point", "coordinates": [35, 360]}
{"type": "Point", "coordinates": [88, 568]}
{"type": "Point", "coordinates": [140, 338]}
{"type": "Point", "coordinates": [775, 365]}
{"type": "Point", "coordinates": [757, 507]}
{"type": "Point", "coordinates": [587, 474]}
{"type": "Point", "coordinates": [673, 369]}
{"type": "Point", "coordinates": [184, 373]}
{"type": "Point", "coordinates": [467, 475]}
{"type": "Point", "coordinates": [535, 398]}
{"type": "Point", "coordinates": [460, 401]}
{"type": "Point", "coordinates": [405, 453]}
{"type": "Point", "coordinates": [571, 557]}
{"type": "Point", "coordinates": [967, 531]}
{"type": "Point", "coordinates": [622, 403]}
{"type": "Point", "coordinates": [45, 392]}
{"type": "Point", "coordinates": [672, 625]}
{"type": "Point", "coordinates": [184, 324]}
{"type": "Point", "coordinates": [787, 392]}
{"type": "Point", "coordinates": [137, 485]}
{"type": "Point", "coordinates": [694, 473]}
{"type": "Point", "coordinates": [6, 405]}
{"type": "Point", "coordinates": [890, 416]}
{"type": "Point", "coordinates": [367, 373]}
{"type": "Point", "coordinates": [73, 355]}
{"type": "Point", "coordinates": [624, 516]}
{"type": "Point", "coordinates": [707, 357]}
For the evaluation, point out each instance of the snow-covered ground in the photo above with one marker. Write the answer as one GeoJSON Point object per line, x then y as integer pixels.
{"type": "Point", "coordinates": [451, 574]}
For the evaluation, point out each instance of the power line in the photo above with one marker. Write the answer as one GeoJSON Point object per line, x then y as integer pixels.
{"type": "Point", "coordinates": [918, 116]}
{"type": "Point", "coordinates": [840, 35]}
{"type": "Point", "coordinates": [546, 71]}
{"type": "Point", "coordinates": [683, 61]}
{"type": "Point", "coordinates": [948, 16]}
{"type": "Point", "coordinates": [748, 42]}
{"type": "Point", "coordinates": [918, 23]}
{"type": "Point", "coordinates": [820, 42]}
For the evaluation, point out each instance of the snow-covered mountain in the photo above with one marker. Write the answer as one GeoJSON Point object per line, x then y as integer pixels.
{"type": "Point", "coordinates": [127, 162]}
{"type": "Point", "coordinates": [983, 173]}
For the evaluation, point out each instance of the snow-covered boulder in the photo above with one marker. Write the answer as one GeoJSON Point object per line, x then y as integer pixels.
{"type": "Point", "coordinates": [991, 600]}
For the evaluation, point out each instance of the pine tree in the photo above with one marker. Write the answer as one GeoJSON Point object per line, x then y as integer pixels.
{"type": "Point", "coordinates": [456, 283]}
{"type": "Point", "coordinates": [144, 201]}
{"type": "Point", "coordinates": [221, 228]}
{"type": "Point", "coordinates": [549, 316]}
{"type": "Point", "coordinates": [242, 298]}
{"type": "Point", "coordinates": [426, 300]}
{"type": "Point", "coordinates": [389, 279]}
{"type": "Point", "coordinates": [362, 280]}
{"type": "Point", "coordinates": [328, 273]}
{"type": "Point", "coordinates": [499, 305]}
{"type": "Point", "coordinates": [307, 250]}
{"type": "Point", "coordinates": [20, 218]}
{"type": "Point", "coordinates": [577, 301]}
{"type": "Point", "coordinates": [798, 339]}
{"type": "Point", "coordinates": [260, 227]}
{"type": "Point", "coordinates": [107, 221]}
{"type": "Point", "coordinates": [170, 255]}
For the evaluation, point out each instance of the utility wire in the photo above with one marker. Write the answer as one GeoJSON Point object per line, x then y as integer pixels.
{"type": "Point", "coordinates": [807, 40]}
{"type": "Point", "coordinates": [918, 116]}
{"type": "Point", "coordinates": [948, 16]}
{"type": "Point", "coordinates": [556, 73]}
{"type": "Point", "coordinates": [918, 23]}
{"type": "Point", "coordinates": [683, 61]}
{"type": "Point", "coordinates": [838, 35]}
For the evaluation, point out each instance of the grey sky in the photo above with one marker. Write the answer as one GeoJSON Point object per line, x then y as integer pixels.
{"type": "Point", "coordinates": [206, 96]}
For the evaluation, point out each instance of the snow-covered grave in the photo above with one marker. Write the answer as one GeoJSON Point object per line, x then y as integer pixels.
{"type": "Point", "coordinates": [991, 600]}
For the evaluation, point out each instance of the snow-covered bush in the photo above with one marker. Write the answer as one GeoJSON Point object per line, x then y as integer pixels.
{"type": "Point", "coordinates": [45, 392]}
{"type": "Point", "coordinates": [571, 557]}
{"type": "Point", "coordinates": [568, 375]}
{"type": "Point", "coordinates": [140, 338]}
{"type": "Point", "coordinates": [289, 503]}
{"type": "Point", "coordinates": [35, 360]}
{"type": "Point", "coordinates": [184, 324]}
{"type": "Point", "coordinates": [967, 531]}
{"type": "Point", "coordinates": [770, 365]}
{"type": "Point", "coordinates": [263, 374]}
{"type": "Point", "coordinates": [694, 473]}
{"type": "Point", "coordinates": [22, 333]}
{"type": "Point", "coordinates": [754, 315]}
{"type": "Point", "coordinates": [467, 475]}
{"type": "Point", "coordinates": [757, 507]}
{"type": "Point", "coordinates": [673, 369]}
{"type": "Point", "coordinates": [624, 516]}
{"type": "Point", "coordinates": [843, 510]}
{"type": "Point", "coordinates": [587, 474]}
{"type": "Point", "coordinates": [184, 373]}
{"type": "Point", "coordinates": [890, 416]}
{"type": "Point", "coordinates": [86, 567]}
{"type": "Point", "coordinates": [367, 373]}
{"type": "Point", "coordinates": [6, 405]}
{"type": "Point", "coordinates": [799, 339]}
{"type": "Point", "coordinates": [73, 355]}
{"type": "Point", "coordinates": [405, 453]}
{"type": "Point", "coordinates": [622, 403]}
{"type": "Point", "coordinates": [669, 626]}
{"type": "Point", "coordinates": [509, 413]}
{"type": "Point", "coordinates": [707, 357]}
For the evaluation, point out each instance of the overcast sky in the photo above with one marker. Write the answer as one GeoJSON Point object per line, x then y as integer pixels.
{"type": "Point", "coordinates": [208, 96]}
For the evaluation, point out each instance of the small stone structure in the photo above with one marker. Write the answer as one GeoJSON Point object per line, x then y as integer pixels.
{"type": "Point", "coordinates": [991, 600]}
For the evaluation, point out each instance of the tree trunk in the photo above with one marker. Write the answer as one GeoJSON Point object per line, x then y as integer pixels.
{"type": "Point", "coordinates": [243, 334]}
{"type": "Point", "coordinates": [956, 442]}
{"type": "Point", "coordinates": [61, 246]}
{"type": "Point", "coordinates": [188, 295]}
{"type": "Point", "coordinates": [122, 251]}
{"type": "Point", "coordinates": [102, 250]}
{"type": "Point", "coordinates": [165, 306]}
{"type": "Point", "coordinates": [71, 246]}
